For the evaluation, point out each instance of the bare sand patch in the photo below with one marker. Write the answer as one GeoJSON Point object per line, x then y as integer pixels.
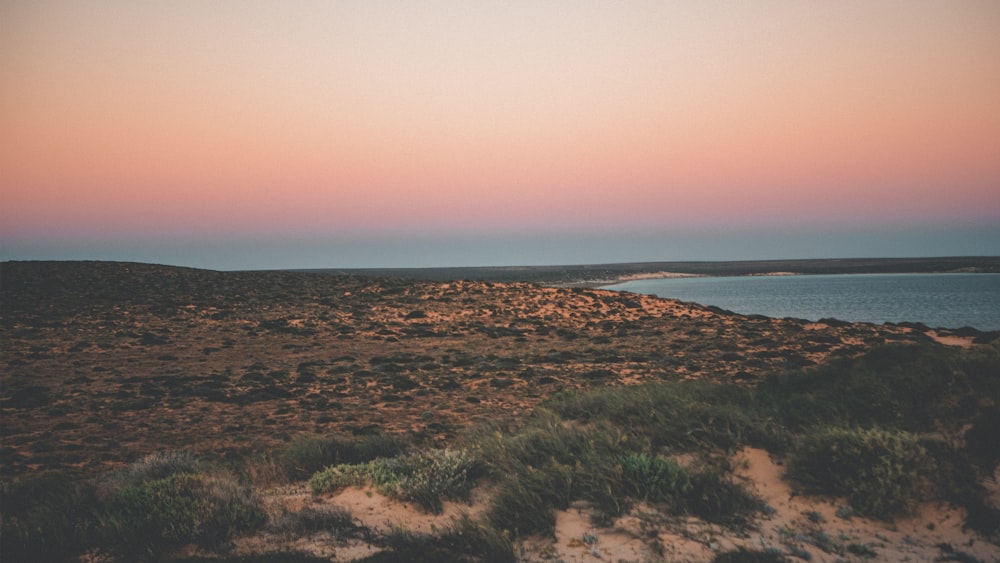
{"type": "Point", "coordinates": [775, 274]}
{"type": "Point", "coordinates": [657, 276]}
{"type": "Point", "coordinates": [950, 340]}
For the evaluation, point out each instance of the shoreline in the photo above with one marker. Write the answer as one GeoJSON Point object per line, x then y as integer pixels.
{"type": "Point", "coordinates": [604, 284]}
{"type": "Point", "coordinates": [596, 275]}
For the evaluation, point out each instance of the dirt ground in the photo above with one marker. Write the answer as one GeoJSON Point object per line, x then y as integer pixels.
{"type": "Point", "coordinates": [105, 362]}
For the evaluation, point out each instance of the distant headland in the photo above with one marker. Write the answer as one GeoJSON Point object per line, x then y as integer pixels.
{"type": "Point", "coordinates": [595, 275]}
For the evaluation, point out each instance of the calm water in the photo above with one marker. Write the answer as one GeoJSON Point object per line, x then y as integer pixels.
{"type": "Point", "coordinates": [937, 300]}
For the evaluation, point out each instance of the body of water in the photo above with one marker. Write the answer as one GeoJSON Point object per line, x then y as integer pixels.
{"type": "Point", "coordinates": [937, 300]}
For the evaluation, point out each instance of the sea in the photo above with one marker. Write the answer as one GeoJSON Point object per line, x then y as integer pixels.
{"type": "Point", "coordinates": [952, 300]}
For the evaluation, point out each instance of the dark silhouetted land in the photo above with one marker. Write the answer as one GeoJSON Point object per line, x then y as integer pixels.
{"type": "Point", "coordinates": [603, 274]}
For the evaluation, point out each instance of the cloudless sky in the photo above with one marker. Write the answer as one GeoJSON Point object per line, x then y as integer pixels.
{"type": "Point", "coordinates": [243, 134]}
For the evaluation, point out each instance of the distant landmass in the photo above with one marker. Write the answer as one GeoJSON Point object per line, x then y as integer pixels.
{"type": "Point", "coordinates": [602, 274]}
{"type": "Point", "coordinates": [290, 416]}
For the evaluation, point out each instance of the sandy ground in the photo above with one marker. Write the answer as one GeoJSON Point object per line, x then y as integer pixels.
{"type": "Point", "coordinates": [804, 523]}
{"type": "Point", "coordinates": [804, 528]}
{"type": "Point", "coordinates": [657, 276]}
{"type": "Point", "coordinates": [951, 340]}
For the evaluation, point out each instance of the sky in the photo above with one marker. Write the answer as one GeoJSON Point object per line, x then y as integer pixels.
{"type": "Point", "coordinates": [312, 134]}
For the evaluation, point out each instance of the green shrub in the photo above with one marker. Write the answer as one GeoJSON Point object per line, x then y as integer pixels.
{"type": "Point", "coordinates": [715, 497]}
{"type": "Point", "coordinates": [147, 519]}
{"type": "Point", "coordinates": [521, 510]}
{"type": "Point", "coordinates": [681, 415]}
{"type": "Point", "coordinates": [45, 517]}
{"type": "Point", "coordinates": [743, 555]}
{"type": "Point", "coordinates": [559, 462]}
{"type": "Point", "coordinates": [981, 441]}
{"type": "Point", "coordinates": [654, 478]}
{"type": "Point", "coordinates": [308, 454]}
{"type": "Point", "coordinates": [426, 477]}
{"type": "Point", "coordinates": [157, 465]}
{"type": "Point", "coordinates": [959, 480]}
{"type": "Point", "coordinates": [916, 388]}
{"type": "Point", "coordinates": [339, 476]}
{"type": "Point", "coordinates": [272, 557]}
{"type": "Point", "coordinates": [549, 464]}
{"type": "Point", "coordinates": [430, 476]}
{"type": "Point", "coordinates": [880, 472]}
{"type": "Point", "coordinates": [160, 465]}
{"type": "Point", "coordinates": [466, 540]}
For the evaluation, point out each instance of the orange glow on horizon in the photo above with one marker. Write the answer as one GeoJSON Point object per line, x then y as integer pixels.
{"type": "Point", "coordinates": [331, 117]}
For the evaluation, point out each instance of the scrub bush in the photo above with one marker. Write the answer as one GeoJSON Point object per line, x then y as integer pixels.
{"type": "Point", "coordinates": [655, 479]}
{"type": "Point", "coordinates": [44, 517]}
{"type": "Point", "coordinates": [158, 465]}
{"type": "Point", "coordinates": [879, 471]}
{"type": "Point", "coordinates": [466, 540]}
{"type": "Point", "coordinates": [715, 497]}
{"type": "Point", "coordinates": [308, 454]}
{"type": "Point", "coordinates": [145, 520]}
{"type": "Point", "coordinates": [430, 476]}
{"type": "Point", "coordinates": [521, 510]}
{"type": "Point", "coordinates": [679, 415]}
{"type": "Point", "coordinates": [426, 477]}
{"type": "Point", "coordinates": [743, 555]}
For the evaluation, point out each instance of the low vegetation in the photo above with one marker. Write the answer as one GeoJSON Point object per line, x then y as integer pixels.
{"type": "Point", "coordinates": [426, 477]}
{"type": "Point", "coordinates": [879, 471]}
{"type": "Point", "coordinates": [308, 454]}
{"type": "Point", "coordinates": [897, 426]}
{"type": "Point", "coordinates": [141, 513]}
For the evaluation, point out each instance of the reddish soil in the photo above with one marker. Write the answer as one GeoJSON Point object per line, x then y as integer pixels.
{"type": "Point", "coordinates": [105, 362]}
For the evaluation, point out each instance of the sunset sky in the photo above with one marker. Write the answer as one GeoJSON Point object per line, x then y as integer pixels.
{"type": "Point", "coordinates": [243, 134]}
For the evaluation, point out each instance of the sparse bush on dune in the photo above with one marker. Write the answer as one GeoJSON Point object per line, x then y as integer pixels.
{"type": "Point", "coordinates": [427, 477]}
{"type": "Point", "coordinates": [308, 454]}
{"type": "Point", "coordinates": [521, 510]}
{"type": "Point", "coordinates": [551, 463]}
{"type": "Point", "coordinates": [45, 517]}
{"type": "Point", "coordinates": [981, 439]}
{"type": "Point", "coordinates": [466, 540]}
{"type": "Point", "coordinates": [344, 475]}
{"type": "Point", "coordinates": [679, 416]}
{"type": "Point", "coordinates": [139, 513]}
{"type": "Point", "coordinates": [143, 521]}
{"type": "Point", "coordinates": [654, 478]}
{"type": "Point", "coordinates": [914, 388]}
{"type": "Point", "coordinates": [558, 463]}
{"type": "Point", "coordinates": [715, 496]}
{"type": "Point", "coordinates": [746, 556]}
{"type": "Point", "coordinates": [157, 465]}
{"type": "Point", "coordinates": [880, 472]}
{"type": "Point", "coordinates": [904, 387]}
{"type": "Point", "coordinates": [270, 557]}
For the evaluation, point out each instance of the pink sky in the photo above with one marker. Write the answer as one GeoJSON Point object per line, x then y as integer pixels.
{"type": "Point", "coordinates": [332, 118]}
